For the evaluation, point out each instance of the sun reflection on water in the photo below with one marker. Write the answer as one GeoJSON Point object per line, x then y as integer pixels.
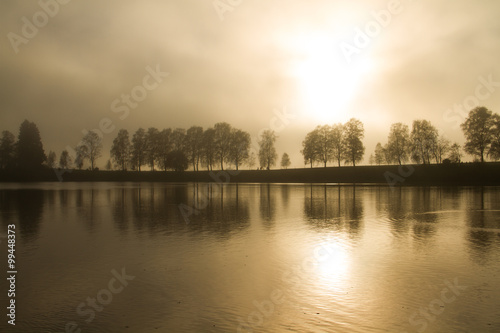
{"type": "Point", "coordinates": [332, 265]}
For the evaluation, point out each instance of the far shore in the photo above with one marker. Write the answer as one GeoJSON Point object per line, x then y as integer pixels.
{"type": "Point", "coordinates": [391, 175]}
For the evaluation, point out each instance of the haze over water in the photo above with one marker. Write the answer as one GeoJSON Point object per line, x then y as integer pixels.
{"type": "Point", "coordinates": [261, 257]}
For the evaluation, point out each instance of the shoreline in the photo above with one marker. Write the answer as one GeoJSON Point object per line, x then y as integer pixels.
{"type": "Point", "coordinates": [391, 175]}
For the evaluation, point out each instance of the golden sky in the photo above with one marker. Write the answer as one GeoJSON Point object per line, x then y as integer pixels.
{"type": "Point", "coordinates": [289, 65]}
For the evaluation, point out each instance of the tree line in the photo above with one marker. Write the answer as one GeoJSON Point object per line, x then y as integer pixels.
{"type": "Point", "coordinates": [422, 144]}
{"type": "Point", "coordinates": [176, 149]}
{"type": "Point", "coordinates": [223, 146]}
{"type": "Point", "coordinates": [340, 142]}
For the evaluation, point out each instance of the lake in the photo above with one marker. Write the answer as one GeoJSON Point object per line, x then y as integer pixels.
{"type": "Point", "coordinates": [158, 257]}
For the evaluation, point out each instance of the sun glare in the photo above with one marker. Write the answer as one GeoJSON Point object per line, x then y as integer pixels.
{"type": "Point", "coordinates": [336, 261]}
{"type": "Point", "coordinates": [327, 84]}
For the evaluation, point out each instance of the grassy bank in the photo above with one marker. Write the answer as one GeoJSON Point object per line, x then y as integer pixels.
{"type": "Point", "coordinates": [451, 174]}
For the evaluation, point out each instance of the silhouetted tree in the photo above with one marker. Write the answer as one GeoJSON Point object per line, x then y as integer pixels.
{"type": "Point", "coordinates": [164, 146]}
{"type": "Point", "coordinates": [494, 151]}
{"type": "Point", "coordinates": [251, 160]}
{"type": "Point", "coordinates": [194, 145]}
{"type": "Point", "coordinates": [177, 160]}
{"type": "Point", "coordinates": [109, 166]}
{"type": "Point", "coordinates": [65, 160]}
{"type": "Point", "coordinates": [324, 142]}
{"type": "Point", "coordinates": [455, 153]}
{"type": "Point", "coordinates": [81, 152]}
{"type": "Point", "coordinates": [398, 142]}
{"type": "Point", "coordinates": [239, 148]}
{"type": "Point", "coordinates": [308, 148]}
{"type": "Point", "coordinates": [222, 142]}
{"type": "Point", "coordinates": [285, 161]}
{"type": "Point", "coordinates": [121, 149]}
{"type": "Point", "coordinates": [178, 139]}
{"type": "Point", "coordinates": [30, 154]}
{"type": "Point", "coordinates": [379, 154]}
{"type": "Point", "coordinates": [51, 159]}
{"type": "Point", "coordinates": [93, 151]}
{"type": "Point", "coordinates": [353, 145]}
{"type": "Point", "coordinates": [152, 146]}
{"type": "Point", "coordinates": [208, 148]}
{"type": "Point", "coordinates": [7, 150]}
{"type": "Point", "coordinates": [337, 138]}
{"type": "Point", "coordinates": [423, 140]}
{"type": "Point", "coordinates": [267, 152]}
{"type": "Point", "coordinates": [441, 148]}
{"type": "Point", "coordinates": [388, 157]}
{"type": "Point", "coordinates": [139, 149]}
{"type": "Point", "coordinates": [478, 130]}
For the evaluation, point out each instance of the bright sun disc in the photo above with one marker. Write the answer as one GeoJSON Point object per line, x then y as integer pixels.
{"type": "Point", "coordinates": [326, 82]}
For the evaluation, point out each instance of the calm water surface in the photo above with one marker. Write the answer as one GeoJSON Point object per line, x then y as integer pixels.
{"type": "Point", "coordinates": [253, 257]}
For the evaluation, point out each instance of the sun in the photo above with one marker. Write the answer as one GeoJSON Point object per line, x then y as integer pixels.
{"type": "Point", "coordinates": [326, 83]}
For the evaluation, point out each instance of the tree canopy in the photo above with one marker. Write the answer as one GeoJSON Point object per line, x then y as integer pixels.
{"type": "Point", "coordinates": [30, 154]}
{"type": "Point", "coordinates": [479, 130]}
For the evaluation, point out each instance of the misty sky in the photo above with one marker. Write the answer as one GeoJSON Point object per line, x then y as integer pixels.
{"type": "Point", "coordinates": [263, 57]}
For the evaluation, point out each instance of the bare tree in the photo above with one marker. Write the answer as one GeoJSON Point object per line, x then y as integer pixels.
{"type": "Point", "coordinates": [121, 149]}
{"type": "Point", "coordinates": [152, 146]}
{"type": "Point", "coordinates": [222, 142]}
{"type": "Point", "coordinates": [308, 148]}
{"type": "Point", "coordinates": [455, 153]}
{"type": "Point", "coordinates": [194, 144]}
{"type": "Point", "coordinates": [398, 142]}
{"type": "Point", "coordinates": [208, 148]}
{"type": "Point", "coordinates": [337, 141]}
{"type": "Point", "coordinates": [267, 151]}
{"type": "Point", "coordinates": [441, 148]}
{"type": "Point", "coordinates": [240, 146]}
{"type": "Point", "coordinates": [164, 146]}
{"type": "Point", "coordinates": [178, 139]}
{"type": "Point", "coordinates": [324, 144]}
{"type": "Point", "coordinates": [353, 144]}
{"type": "Point", "coordinates": [93, 151]}
{"type": "Point", "coordinates": [423, 140]}
{"type": "Point", "coordinates": [139, 149]}
{"type": "Point", "coordinates": [251, 160]}
{"type": "Point", "coordinates": [81, 152]}
{"type": "Point", "coordinates": [379, 154]}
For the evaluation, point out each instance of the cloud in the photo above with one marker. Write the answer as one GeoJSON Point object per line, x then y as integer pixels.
{"type": "Point", "coordinates": [236, 70]}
